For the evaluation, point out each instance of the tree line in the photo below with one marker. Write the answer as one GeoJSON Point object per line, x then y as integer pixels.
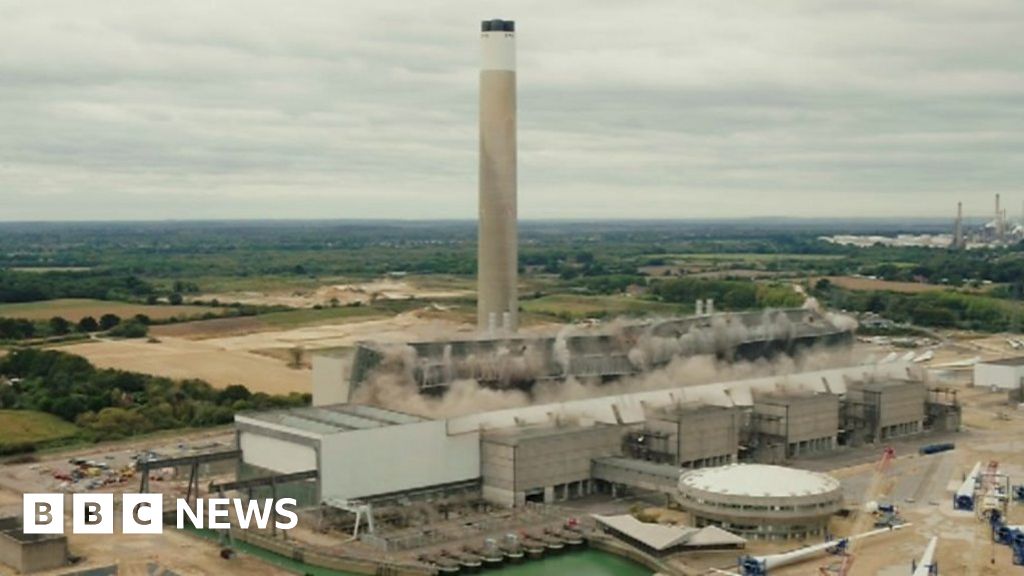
{"type": "Point", "coordinates": [110, 404]}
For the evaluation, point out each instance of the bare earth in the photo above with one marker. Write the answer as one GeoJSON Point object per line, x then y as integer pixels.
{"type": "Point", "coordinates": [257, 361]}
{"type": "Point", "coordinates": [344, 294]}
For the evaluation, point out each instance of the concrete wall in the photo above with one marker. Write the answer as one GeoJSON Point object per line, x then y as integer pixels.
{"type": "Point", "coordinates": [330, 379]}
{"type": "Point", "coordinates": [902, 404]}
{"type": "Point", "coordinates": [28, 553]}
{"type": "Point", "coordinates": [274, 453]}
{"type": "Point", "coordinates": [553, 460]}
{"type": "Point", "coordinates": [887, 410]}
{"type": "Point", "coordinates": [805, 424]}
{"type": "Point", "coordinates": [998, 376]}
{"type": "Point", "coordinates": [555, 465]}
{"type": "Point", "coordinates": [361, 463]}
{"type": "Point", "coordinates": [698, 437]}
{"type": "Point", "coordinates": [497, 467]}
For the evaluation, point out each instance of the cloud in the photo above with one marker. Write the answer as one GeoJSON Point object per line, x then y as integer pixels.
{"type": "Point", "coordinates": [640, 109]}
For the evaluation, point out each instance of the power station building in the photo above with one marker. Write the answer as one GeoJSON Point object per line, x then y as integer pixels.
{"type": "Point", "coordinates": [1004, 374]}
{"type": "Point", "coordinates": [792, 425]}
{"type": "Point", "coordinates": [761, 501]}
{"type": "Point", "coordinates": [883, 410]}
{"type": "Point", "coordinates": [552, 452]}
{"type": "Point", "coordinates": [689, 436]}
{"type": "Point", "coordinates": [596, 355]}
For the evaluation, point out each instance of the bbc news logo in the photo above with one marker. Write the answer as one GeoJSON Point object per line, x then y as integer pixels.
{"type": "Point", "coordinates": [94, 513]}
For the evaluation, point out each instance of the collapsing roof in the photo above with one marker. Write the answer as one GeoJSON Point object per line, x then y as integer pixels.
{"type": "Point", "coordinates": [625, 350]}
{"type": "Point", "coordinates": [663, 538]}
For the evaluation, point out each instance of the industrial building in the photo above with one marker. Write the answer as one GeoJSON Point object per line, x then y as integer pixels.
{"type": "Point", "coordinates": [600, 355]}
{"type": "Point", "coordinates": [356, 451]}
{"type": "Point", "coordinates": [1003, 374]}
{"type": "Point", "coordinates": [689, 436]}
{"type": "Point", "coordinates": [787, 426]}
{"type": "Point", "coordinates": [541, 463]}
{"type": "Point", "coordinates": [28, 553]}
{"type": "Point", "coordinates": [761, 501]}
{"type": "Point", "coordinates": [553, 452]}
{"type": "Point", "coordinates": [877, 411]}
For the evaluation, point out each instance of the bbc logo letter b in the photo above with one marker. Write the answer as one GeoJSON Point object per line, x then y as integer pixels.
{"type": "Point", "coordinates": [93, 513]}
{"type": "Point", "coordinates": [43, 513]}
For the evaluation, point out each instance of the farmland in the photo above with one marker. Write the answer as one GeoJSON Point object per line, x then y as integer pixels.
{"type": "Point", "coordinates": [578, 307]}
{"type": "Point", "coordinates": [26, 427]}
{"type": "Point", "coordinates": [74, 309]}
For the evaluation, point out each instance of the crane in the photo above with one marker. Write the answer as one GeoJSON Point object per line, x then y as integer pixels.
{"type": "Point", "coordinates": [862, 518]}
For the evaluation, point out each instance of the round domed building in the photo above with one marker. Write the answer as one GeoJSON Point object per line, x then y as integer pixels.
{"type": "Point", "coordinates": [761, 501]}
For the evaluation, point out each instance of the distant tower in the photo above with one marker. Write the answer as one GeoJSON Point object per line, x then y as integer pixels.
{"type": "Point", "coordinates": [958, 227]}
{"type": "Point", "coordinates": [497, 253]}
{"type": "Point", "coordinates": [999, 221]}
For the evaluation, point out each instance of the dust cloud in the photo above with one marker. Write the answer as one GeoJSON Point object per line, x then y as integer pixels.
{"type": "Point", "coordinates": [689, 359]}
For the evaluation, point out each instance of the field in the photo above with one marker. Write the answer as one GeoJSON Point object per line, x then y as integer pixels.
{"type": "Point", "coordinates": [855, 283]}
{"type": "Point", "coordinates": [252, 355]}
{"type": "Point", "coordinates": [745, 257]}
{"type": "Point", "coordinates": [74, 309]}
{"type": "Point", "coordinates": [574, 307]}
{"type": "Point", "coordinates": [25, 427]}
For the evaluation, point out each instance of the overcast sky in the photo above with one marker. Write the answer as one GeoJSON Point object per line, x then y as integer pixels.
{"type": "Point", "coordinates": [651, 108]}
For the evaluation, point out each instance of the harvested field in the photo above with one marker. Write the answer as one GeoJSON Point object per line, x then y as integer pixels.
{"type": "Point", "coordinates": [855, 283]}
{"type": "Point", "coordinates": [579, 307]}
{"type": "Point", "coordinates": [345, 294]}
{"type": "Point", "coordinates": [74, 309]}
{"type": "Point", "coordinates": [181, 359]}
{"type": "Point", "coordinates": [277, 321]}
{"type": "Point", "coordinates": [258, 360]}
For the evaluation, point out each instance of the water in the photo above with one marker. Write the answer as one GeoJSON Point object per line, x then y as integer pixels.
{"type": "Point", "coordinates": [582, 563]}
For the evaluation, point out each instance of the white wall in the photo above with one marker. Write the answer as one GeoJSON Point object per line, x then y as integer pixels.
{"type": "Point", "coordinates": [330, 380]}
{"type": "Point", "coordinates": [274, 454]}
{"type": "Point", "coordinates": [362, 463]}
{"type": "Point", "coordinates": [997, 375]}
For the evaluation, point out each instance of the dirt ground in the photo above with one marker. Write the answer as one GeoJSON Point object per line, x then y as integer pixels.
{"type": "Point", "coordinates": [261, 360]}
{"type": "Point", "coordinates": [258, 361]}
{"type": "Point", "coordinates": [344, 294]}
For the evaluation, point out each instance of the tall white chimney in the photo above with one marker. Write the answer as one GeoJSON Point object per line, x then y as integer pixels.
{"type": "Point", "coordinates": [497, 251]}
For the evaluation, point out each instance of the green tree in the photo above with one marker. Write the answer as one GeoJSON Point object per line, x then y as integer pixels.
{"type": "Point", "coordinates": [59, 326]}
{"type": "Point", "coordinates": [108, 321]}
{"type": "Point", "coordinates": [130, 329]}
{"type": "Point", "coordinates": [88, 324]}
